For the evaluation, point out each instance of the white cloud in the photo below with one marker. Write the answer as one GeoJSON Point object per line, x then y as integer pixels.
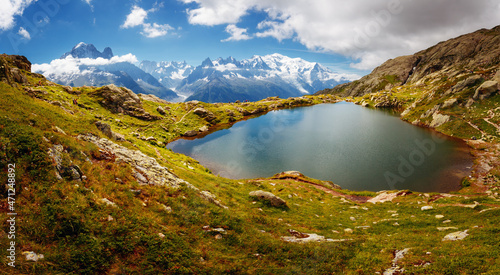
{"type": "Point", "coordinates": [135, 18]}
{"type": "Point", "coordinates": [71, 65]}
{"type": "Point", "coordinates": [218, 12]}
{"type": "Point", "coordinates": [155, 30]}
{"type": "Point", "coordinates": [138, 16]}
{"type": "Point", "coordinates": [236, 33]}
{"type": "Point", "coordinates": [24, 33]}
{"type": "Point", "coordinates": [368, 31]}
{"type": "Point", "coordinates": [11, 8]}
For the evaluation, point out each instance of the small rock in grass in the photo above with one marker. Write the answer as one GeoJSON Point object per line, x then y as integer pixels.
{"type": "Point", "coordinates": [455, 236]}
{"type": "Point", "coordinates": [427, 207]}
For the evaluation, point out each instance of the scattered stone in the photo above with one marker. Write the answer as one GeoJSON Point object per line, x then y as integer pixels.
{"type": "Point", "coordinates": [107, 202]}
{"type": "Point", "coordinates": [212, 198]}
{"type": "Point", "coordinates": [348, 230]}
{"type": "Point", "coordinates": [220, 230]}
{"type": "Point", "coordinates": [438, 120]}
{"type": "Point", "coordinates": [449, 103]}
{"type": "Point", "coordinates": [160, 110]}
{"type": "Point", "coordinates": [489, 209]}
{"type": "Point", "coordinates": [110, 219]}
{"type": "Point", "coordinates": [352, 218]}
{"type": "Point", "coordinates": [363, 227]}
{"type": "Point", "coordinates": [190, 133]}
{"type": "Point", "coordinates": [59, 130]}
{"type": "Point", "coordinates": [447, 221]}
{"type": "Point", "coordinates": [268, 196]}
{"type": "Point", "coordinates": [298, 234]}
{"type": "Point", "coordinates": [161, 235]}
{"type": "Point", "coordinates": [455, 236]}
{"type": "Point", "coordinates": [218, 236]}
{"type": "Point", "coordinates": [311, 237]}
{"type": "Point", "coordinates": [439, 216]}
{"type": "Point", "coordinates": [427, 207]}
{"type": "Point", "coordinates": [106, 130]}
{"type": "Point", "coordinates": [395, 269]}
{"type": "Point", "coordinates": [167, 209]}
{"type": "Point", "coordinates": [204, 129]}
{"type": "Point", "coordinates": [32, 256]}
{"type": "Point", "coordinates": [204, 113]}
{"type": "Point", "coordinates": [469, 103]}
{"type": "Point", "coordinates": [446, 228]}
{"type": "Point", "coordinates": [473, 206]}
{"type": "Point", "coordinates": [386, 196]}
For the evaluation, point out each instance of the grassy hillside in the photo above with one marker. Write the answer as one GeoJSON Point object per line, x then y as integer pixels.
{"type": "Point", "coordinates": [87, 210]}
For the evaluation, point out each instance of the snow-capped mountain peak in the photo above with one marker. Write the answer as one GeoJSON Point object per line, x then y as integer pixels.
{"type": "Point", "coordinates": [83, 50]}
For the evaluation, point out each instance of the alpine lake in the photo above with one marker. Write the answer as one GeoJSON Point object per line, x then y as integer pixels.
{"type": "Point", "coordinates": [355, 147]}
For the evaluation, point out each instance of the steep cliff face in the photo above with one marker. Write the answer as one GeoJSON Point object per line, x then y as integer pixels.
{"type": "Point", "coordinates": [476, 51]}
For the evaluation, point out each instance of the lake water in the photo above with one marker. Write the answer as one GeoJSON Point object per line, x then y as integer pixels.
{"type": "Point", "coordinates": [357, 148]}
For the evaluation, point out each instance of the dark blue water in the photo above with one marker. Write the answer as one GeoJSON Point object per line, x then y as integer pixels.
{"type": "Point", "coordinates": [355, 147]}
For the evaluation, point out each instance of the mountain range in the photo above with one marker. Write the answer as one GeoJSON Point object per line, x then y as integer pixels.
{"type": "Point", "coordinates": [220, 80]}
{"type": "Point", "coordinates": [85, 65]}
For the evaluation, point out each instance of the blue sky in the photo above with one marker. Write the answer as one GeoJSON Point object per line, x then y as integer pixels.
{"type": "Point", "coordinates": [352, 36]}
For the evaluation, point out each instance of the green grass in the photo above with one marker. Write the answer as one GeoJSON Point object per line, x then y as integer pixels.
{"type": "Point", "coordinates": [78, 234]}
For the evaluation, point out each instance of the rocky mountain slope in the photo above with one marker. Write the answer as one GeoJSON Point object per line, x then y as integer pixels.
{"type": "Point", "coordinates": [85, 65]}
{"type": "Point", "coordinates": [95, 191]}
{"type": "Point", "coordinates": [455, 58]}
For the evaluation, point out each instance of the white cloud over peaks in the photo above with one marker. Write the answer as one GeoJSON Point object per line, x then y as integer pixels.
{"type": "Point", "coordinates": [236, 33]}
{"type": "Point", "coordinates": [216, 12]}
{"type": "Point", "coordinates": [138, 16]}
{"type": "Point", "coordinates": [367, 31]}
{"type": "Point", "coordinates": [71, 65]}
{"type": "Point", "coordinates": [24, 33]}
{"type": "Point", "coordinates": [11, 8]}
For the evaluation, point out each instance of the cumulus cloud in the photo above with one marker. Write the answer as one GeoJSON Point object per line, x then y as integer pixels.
{"type": "Point", "coordinates": [137, 18]}
{"type": "Point", "coordinates": [218, 12]}
{"type": "Point", "coordinates": [11, 8]}
{"type": "Point", "coordinates": [71, 65]}
{"type": "Point", "coordinates": [367, 31]}
{"type": "Point", "coordinates": [236, 33]}
{"type": "Point", "coordinates": [24, 33]}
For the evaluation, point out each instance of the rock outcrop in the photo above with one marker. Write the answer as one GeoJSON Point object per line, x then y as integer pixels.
{"type": "Point", "coordinates": [147, 170]}
{"type": "Point", "coordinates": [12, 67]}
{"type": "Point", "coordinates": [123, 100]}
{"type": "Point", "coordinates": [486, 89]}
{"type": "Point", "coordinates": [64, 166]}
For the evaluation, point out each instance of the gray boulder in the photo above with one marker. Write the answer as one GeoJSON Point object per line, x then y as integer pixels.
{"type": "Point", "coordinates": [106, 130]}
{"type": "Point", "coordinates": [438, 120]}
{"type": "Point", "coordinates": [268, 196]}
